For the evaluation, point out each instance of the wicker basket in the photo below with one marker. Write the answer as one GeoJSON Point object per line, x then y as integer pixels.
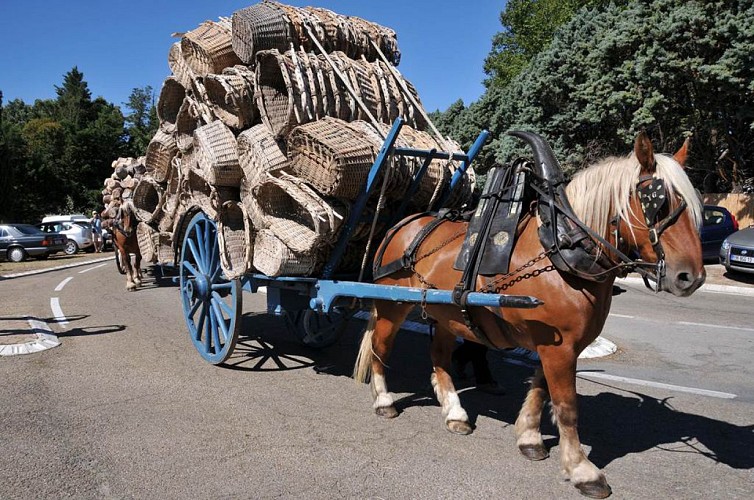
{"type": "Point", "coordinates": [297, 215]}
{"type": "Point", "coordinates": [171, 98]}
{"type": "Point", "coordinates": [164, 253]}
{"type": "Point", "coordinates": [331, 156]}
{"type": "Point", "coordinates": [147, 200]}
{"type": "Point", "coordinates": [160, 152]}
{"type": "Point", "coordinates": [181, 70]}
{"type": "Point", "coordinates": [148, 240]}
{"type": "Point", "coordinates": [273, 258]}
{"type": "Point", "coordinates": [258, 153]}
{"type": "Point", "coordinates": [235, 239]}
{"type": "Point", "coordinates": [260, 27]}
{"type": "Point", "coordinates": [186, 122]}
{"type": "Point", "coordinates": [232, 96]}
{"type": "Point", "coordinates": [208, 48]}
{"type": "Point", "coordinates": [196, 192]}
{"type": "Point", "coordinates": [274, 91]}
{"type": "Point", "coordinates": [217, 154]}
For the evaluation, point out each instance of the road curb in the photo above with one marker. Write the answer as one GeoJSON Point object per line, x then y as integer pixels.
{"type": "Point", "coordinates": [57, 268]}
{"type": "Point", "coordinates": [707, 287]}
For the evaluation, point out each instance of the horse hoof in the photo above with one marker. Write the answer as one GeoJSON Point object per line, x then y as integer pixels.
{"type": "Point", "coordinates": [534, 452]}
{"type": "Point", "coordinates": [595, 489]}
{"type": "Point", "coordinates": [458, 427]}
{"type": "Point", "coordinates": [386, 411]}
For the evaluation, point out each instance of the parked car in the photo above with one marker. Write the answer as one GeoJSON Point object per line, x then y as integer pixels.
{"type": "Point", "coordinates": [717, 224]}
{"type": "Point", "coordinates": [737, 251]}
{"type": "Point", "coordinates": [76, 228]}
{"type": "Point", "coordinates": [18, 241]}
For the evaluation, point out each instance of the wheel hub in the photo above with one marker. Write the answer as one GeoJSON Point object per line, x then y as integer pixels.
{"type": "Point", "coordinates": [202, 287]}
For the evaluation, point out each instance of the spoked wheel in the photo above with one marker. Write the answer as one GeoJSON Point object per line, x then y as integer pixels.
{"type": "Point", "coordinates": [211, 303]}
{"type": "Point", "coordinates": [320, 330]}
{"type": "Point", "coordinates": [119, 263]}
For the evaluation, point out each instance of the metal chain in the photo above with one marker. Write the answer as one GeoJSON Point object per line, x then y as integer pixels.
{"type": "Point", "coordinates": [492, 285]}
{"type": "Point", "coordinates": [440, 246]}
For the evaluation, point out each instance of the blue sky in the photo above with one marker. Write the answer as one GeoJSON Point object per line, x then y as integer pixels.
{"type": "Point", "coordinates": [119, 45]}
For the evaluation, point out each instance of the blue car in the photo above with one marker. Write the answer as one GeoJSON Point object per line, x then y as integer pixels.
{"type": "Point", "coordinates": [717, 224]}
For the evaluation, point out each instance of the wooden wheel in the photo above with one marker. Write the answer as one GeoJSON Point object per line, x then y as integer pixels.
{"type": "Point", "coordinates": [320, 330]}
{"type": "Point", "coordinates": [119, 263]}
{"type": "Point", "coordinates": [212, 304]}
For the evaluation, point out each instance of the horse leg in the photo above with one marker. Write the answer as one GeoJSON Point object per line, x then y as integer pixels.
{"type": "Point", "coordinates": [528, 435]}
{"type": "Point", "coordinates": [560, 372]}
{"type": "Point", "coordinates": [456, 419]}
{"type": "Point", "coordinates": [375, 349]}
{"type": "Point", "coordinates": [126, 259]}
{"type": "Point", "coordinates": [138, 278]}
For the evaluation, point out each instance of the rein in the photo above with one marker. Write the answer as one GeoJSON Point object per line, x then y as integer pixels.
{"type": "Point", "coordinates": [652, 197]}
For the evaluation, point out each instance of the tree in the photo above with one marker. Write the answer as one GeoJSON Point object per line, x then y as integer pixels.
{"type": "Point", "coordinates": [528, 28]}
{"type": "Point", "coordinates": [142, 121]}
{"type": "Point", "coordinates": [672, 68]}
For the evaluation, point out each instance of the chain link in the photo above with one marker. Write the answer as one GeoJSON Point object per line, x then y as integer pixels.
{"type": "Point", "coordinates": [492, 285]}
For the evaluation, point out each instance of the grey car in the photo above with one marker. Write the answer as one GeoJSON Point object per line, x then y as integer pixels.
{"type": "Point", "coordinates": [79, 234]}
{"type": "Point", "coordinates": [737, 251]}
{"type": "Point", "coordinates": [18, 241]}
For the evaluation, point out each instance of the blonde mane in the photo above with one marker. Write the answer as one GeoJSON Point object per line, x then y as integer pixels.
{"type": "Point", "coordinates": [604, 190]}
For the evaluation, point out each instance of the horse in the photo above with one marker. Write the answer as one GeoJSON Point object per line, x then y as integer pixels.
{"type": "Point", "coordinates": [607, 199]}
{"type": "Point", "coordinates": [126, 243]}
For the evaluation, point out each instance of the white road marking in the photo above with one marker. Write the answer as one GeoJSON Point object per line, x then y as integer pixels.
{"type": "Point", "coordinates": [658, 385]}
{"type": "Point", "coordinates": [95, 267]}
{"type": "Point", "coordinates": [622, 316]}
{"type": "Point", "coordinates": [63, 283]}
{"type": "Point", "coordinates": [707, 325]}
{"type": "Point", "coordinates": [57, 312]}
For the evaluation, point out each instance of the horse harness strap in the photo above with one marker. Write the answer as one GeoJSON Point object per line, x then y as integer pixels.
{"type": "Point", "coordinates": [409, 259]}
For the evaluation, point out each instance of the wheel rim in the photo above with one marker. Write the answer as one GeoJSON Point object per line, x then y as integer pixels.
{"type": "Point", "coordinates": [16, 255]}
{"type": "Point", "coordinates": [211, 302]}
{"type": "Point", "coordinates": [70, 248]}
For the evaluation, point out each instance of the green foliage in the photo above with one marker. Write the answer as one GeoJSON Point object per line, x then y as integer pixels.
{"type": "Point", "coordinates": [141, 122]}
{"type": "Point", "coordinates": [528, 28]}
{"type": "Point", "coordinates": [55, 153]}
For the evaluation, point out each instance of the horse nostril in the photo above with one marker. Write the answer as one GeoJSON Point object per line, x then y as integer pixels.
{"type": "Point", "coordinates": [684, 280]}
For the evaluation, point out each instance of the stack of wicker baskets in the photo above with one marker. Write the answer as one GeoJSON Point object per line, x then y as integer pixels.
{"type": "Point", "coordinates": [273, 138]}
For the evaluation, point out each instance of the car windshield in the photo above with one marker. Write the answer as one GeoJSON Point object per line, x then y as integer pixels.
{"type": "Point", "coordinates": [27, 229]}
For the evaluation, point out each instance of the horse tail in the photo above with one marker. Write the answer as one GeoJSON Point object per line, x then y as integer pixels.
{"type": "Point", "coordinates": [362, 369]}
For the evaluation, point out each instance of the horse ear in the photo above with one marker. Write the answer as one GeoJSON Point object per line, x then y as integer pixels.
{"type": "Point", "coordinates": [645, 153]}
{"type": "Point", "coordinates": [683, 153]}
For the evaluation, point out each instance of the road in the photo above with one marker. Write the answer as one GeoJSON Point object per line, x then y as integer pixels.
{"type": "Point", "coordinates": [125, 407]}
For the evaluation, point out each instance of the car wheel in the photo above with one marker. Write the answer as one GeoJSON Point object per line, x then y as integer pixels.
{"type": "Point", "coordinates": [71, 247]}
{"type": "Point", "coordinates": [16, 254]}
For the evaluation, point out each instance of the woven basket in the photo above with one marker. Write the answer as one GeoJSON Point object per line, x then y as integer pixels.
{"type": "Point", "coordinates": [331, 156]}
{"type": "Point", "coordinates": [217, 154]}
{"type": "Point", "coordinates": [196, 192]}
{"type": "Point", "coordinates": [147, 200]}
{"type": "Point", "coordinates": [171, 98]}
{"type": "Point", "coordinates": [274, 92]}
{"type": "Point", "coordinates": [148, 240]}
{"type": "Point", "coordinates": [297, 215]}
{"type": "Point", "coordinates": [260, 27]}
{"type": "Point", "coordinates": [258, 153]}
{"type": "Point", "coordinates": [208, 48]}
{"type": "Point", "coordinates": [181, 70]}
{"type": "Point", "coordinates": [160, 152]}
{"type": "Point", "coordinates": [232, 96]}
{"type": "Point", "coordinates": [273, 258]}
{"type": "Point", "coordinates": [235, 239]}
{"type": "Point", "coordinates": [186, 122]}
{"type": "Point", "coordinates": [164, 248]}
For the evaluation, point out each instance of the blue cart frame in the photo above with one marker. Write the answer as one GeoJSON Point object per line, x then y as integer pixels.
{"type": "Point", "coordinates": [212, 304]}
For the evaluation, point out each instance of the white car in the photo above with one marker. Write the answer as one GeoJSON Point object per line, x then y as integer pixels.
{"type": "Point", "coordinates": [76, 228]}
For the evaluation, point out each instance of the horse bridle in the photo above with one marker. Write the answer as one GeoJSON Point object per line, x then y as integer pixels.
{"type": "Point", "coordinates": [652, 197]}
{"type": "Point", "coordinates": [119, 226]}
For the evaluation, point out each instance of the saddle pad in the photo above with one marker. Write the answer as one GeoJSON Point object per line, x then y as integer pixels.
{"type": "Point", "coordinates": [503, 194]}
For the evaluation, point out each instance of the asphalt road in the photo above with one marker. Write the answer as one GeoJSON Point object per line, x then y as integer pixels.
{"type": "Point", "coordinates": [125, 407]}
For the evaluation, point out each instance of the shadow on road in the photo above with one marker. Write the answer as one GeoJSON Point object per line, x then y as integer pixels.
{"type": "Point", "coordinates": [614, 425]}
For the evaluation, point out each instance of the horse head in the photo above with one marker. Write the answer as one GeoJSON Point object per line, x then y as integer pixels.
{"type": "Point", "coordinates": [666, 230]}
{"type": "Point", "coordinates": [125, 218]}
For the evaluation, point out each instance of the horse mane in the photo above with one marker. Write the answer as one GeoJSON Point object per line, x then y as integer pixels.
{"type": "Point", "coordinates": [126, 207]}
{"type": "Point", "coordinates": [604, 190]}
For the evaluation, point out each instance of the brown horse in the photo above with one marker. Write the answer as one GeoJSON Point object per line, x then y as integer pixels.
{"type": "Point", "coordinates": [126, 243]}
{"type": "Point", "coordinates": [606, 197]}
